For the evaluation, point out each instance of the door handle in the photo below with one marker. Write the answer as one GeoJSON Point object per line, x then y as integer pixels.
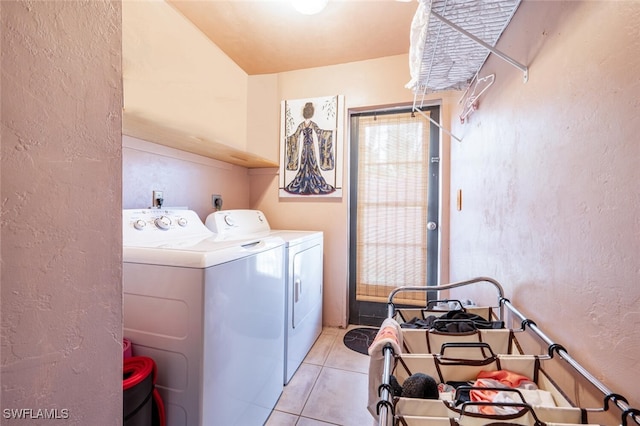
{"type": "Point", "coordinates": [432, 226]}
{"type": "Point", "coordinates": [298, 289]}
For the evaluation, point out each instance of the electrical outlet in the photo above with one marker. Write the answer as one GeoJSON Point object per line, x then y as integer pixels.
{"type": "Point", "coordinates": [158, 199]}
{"type": "Point", "coordinates": [216, 201]}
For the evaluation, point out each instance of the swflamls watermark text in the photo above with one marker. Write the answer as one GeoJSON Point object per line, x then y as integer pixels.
{"type": "Point", "coordinates": [36, 413]}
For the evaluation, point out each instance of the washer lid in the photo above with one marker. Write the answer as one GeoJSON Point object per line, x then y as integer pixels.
{"type": "Point", "coordinates": [200, 254]}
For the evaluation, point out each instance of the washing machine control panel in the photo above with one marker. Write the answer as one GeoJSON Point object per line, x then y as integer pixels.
{"type": "Point", "coordinates": [230, 224]}
{"type": "Point", "coordinates": [153, 226]}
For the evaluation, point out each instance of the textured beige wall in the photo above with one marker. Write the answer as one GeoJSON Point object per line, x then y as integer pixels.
{"type": "Point", "coordinates": [549, 173]}
{"type": "Point", "coordinates": [61, 210]}
{"type": "Point", "coordinates": [263, 115]}
{"type": "Point", "coordinates": [187, 180]}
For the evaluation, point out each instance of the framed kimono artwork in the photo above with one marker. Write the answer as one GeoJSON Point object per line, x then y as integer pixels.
{"type": "Point", "coordinates": [311, 133]}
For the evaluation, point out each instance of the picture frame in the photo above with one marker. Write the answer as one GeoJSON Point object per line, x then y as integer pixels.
{"type": "Point", "coordinates": [311, 147]}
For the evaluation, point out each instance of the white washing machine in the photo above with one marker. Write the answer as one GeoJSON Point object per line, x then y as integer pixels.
{"type": "Point", "coordinates": [209, 312]}
{"type": "Point", "coordinates": [303, 271]}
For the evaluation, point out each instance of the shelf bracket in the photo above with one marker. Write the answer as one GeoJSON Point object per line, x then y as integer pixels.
{"type": "Point", "coordinates": [419, 111]}
{"type": "Point", "coordinates": [523, 68]}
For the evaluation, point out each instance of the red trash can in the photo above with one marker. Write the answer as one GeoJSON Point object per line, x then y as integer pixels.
{"type": "Point", "coordinates": [142, 405]}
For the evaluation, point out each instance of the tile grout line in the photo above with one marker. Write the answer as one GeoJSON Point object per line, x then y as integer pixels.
{"type": "Point", "coordinates": [322, 368]}
{"type": "Point", "coordinates": [315, 382]}
{"type": "Point", "coordinates": [334, 342]}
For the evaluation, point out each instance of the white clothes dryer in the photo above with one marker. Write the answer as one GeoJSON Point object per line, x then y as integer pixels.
{"type": "Point", "coordinates": [303, 271]}
{"type": "Point", "coordinates": [304, 280]}
{"type": "Point", "coordinates": [209, 312]}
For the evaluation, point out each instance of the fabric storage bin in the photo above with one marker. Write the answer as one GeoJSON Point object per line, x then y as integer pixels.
{"type": "Point", "coordinates": [501, 341]}
{"type": "Point", "coordinates": [470, 360]}
{"type": "Point", "coordinates": [439, 326]}
{"type": "Point", "coordinates": [440, 307]}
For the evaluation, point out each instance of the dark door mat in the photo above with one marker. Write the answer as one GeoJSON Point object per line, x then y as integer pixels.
{"type": "Point", "coordinates": [359, 339]}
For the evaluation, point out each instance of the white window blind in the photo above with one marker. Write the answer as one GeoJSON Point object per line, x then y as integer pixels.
{"type": "Point", "coordinates": [391, 246]}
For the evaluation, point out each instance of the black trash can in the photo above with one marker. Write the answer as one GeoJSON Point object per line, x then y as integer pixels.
{"type": "Point", "coordinates": [138, 377]}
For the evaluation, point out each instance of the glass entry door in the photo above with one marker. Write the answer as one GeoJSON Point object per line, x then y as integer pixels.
{"type": "Point", "coordinates": [393, 209]}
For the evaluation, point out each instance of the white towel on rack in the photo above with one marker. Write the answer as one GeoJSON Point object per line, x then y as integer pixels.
{"type": "Point", "coordinates": [390, 333]}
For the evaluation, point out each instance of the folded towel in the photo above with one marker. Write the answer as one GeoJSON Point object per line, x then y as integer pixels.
{"type": "Point", "coordinates": [390, 333]}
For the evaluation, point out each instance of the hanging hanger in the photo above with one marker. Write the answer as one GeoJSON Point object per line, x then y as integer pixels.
{"type": "Point", "coordinates": [469, 98]}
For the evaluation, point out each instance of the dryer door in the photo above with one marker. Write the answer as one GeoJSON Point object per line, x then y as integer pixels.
{"type": "Point", "coordinates": [304, 304]}
{"type": "Point", "coordinates": [307, 284]}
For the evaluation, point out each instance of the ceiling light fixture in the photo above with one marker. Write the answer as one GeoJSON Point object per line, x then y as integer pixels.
{"type": "Point", "coordinates": [309, 7]}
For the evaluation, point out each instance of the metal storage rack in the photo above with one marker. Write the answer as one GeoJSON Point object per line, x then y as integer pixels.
{"type": "Point", "coordinates": [385, 406]}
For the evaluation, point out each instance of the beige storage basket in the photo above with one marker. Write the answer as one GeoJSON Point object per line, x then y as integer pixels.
{"type": "Point", "coordinates": [470, 360]}
{"type": "Point", "coordinates": [425, 341]}
{"type": "Point", "coordinates": [417, 341]}
{"type": "Point", "coordinates": [406, 314]}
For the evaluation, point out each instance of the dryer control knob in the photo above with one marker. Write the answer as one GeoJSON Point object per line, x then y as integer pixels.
{"type": "Point", "coordinates": [228, 220]}
{"type": "Point", "coordinates": [163, 222]}
{"type": "Point", "coordinates": [139, 224]}
{"type": "Point", "coordinates": [182, 221]}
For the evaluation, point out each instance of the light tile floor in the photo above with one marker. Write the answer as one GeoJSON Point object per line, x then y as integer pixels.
{"type": "Point", "coordinates": [329, 388]}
